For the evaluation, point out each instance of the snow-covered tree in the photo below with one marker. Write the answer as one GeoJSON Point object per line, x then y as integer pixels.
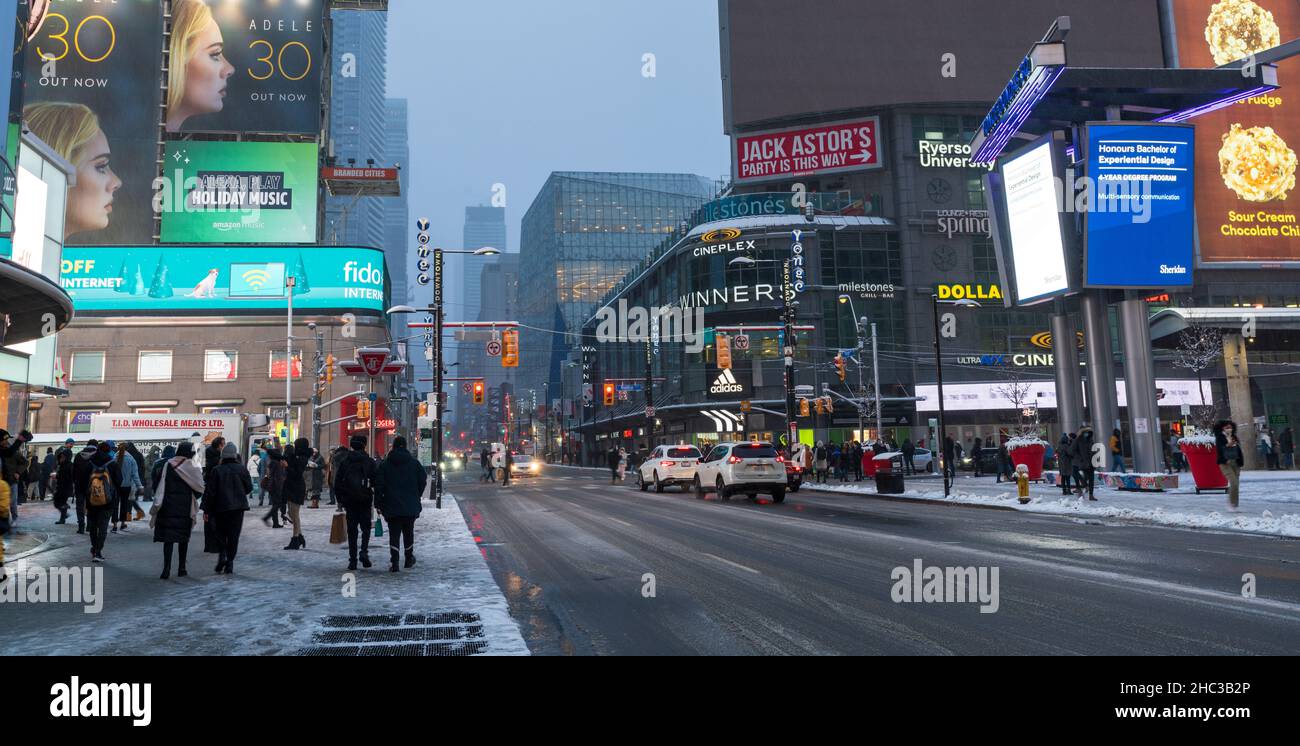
{"type": "Point", "coordinates": [1200, 348]}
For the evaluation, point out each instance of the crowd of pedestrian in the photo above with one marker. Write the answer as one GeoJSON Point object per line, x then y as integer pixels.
{"type": "Point", "coordinates": [104, 484]}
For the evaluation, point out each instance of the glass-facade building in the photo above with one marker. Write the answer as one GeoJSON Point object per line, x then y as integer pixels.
{"type": "Point", "coordinates": [582, 234]}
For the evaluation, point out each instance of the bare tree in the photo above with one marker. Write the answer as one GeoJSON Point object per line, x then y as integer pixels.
{"type": "Point", "coordinates": [1200, 348]}
{"type": "Point", "coordinates": [1020, 393]}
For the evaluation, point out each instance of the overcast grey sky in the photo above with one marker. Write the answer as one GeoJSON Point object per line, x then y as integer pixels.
{"type": "Point", "coordinates": [507, 91]}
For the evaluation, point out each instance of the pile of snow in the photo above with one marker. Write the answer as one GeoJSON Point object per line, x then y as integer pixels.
{"type": "Point", "coordinates": [1198, 439]}
{"type": "Point", "coordinates": [1026, 441]}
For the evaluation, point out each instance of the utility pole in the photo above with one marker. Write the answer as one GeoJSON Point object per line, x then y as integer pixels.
{"type": "Point", "coordinates": [289, 283]}
{"type": "Point", "coordinates": [787, 316]}
{"type": "Point", "coordinates": [315, 399]}
{"type": "Point", "coordinates": [875, 369]}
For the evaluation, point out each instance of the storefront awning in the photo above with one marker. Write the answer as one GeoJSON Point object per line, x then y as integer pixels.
{"type": "Point", "coordinates": [30, 300]}
{"type": "Point", "coordinates": [1270, 329]}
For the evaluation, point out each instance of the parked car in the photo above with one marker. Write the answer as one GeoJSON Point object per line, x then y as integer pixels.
{"type": "Point", "coordinates": [668, 465]}
{"type": "Point", "coordinates": [923, 460]}
{"type": "Point", "coordinates": [988, 461]}
{"type": "Point", "coordinates": [742, 468]}
{"type": "Point", "coordinates": [525, 465]}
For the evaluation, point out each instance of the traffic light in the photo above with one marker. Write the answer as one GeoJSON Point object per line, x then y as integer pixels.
{"type": "Point", "coordinates": [724, 351]}
{"type": "Point", "coordinates": [745, 406]}
{"type": "Point", "coordinates": [329, 369]}
{"type": "Point", "coordinates": [424, 409]}
{"type": "Point", "coordinates": [363, 410]}
{"type": "Point", "coordinates": [609, 394]}
{"type": "Point", "coordinates": [804, 409]}
{"type": "Point", "coordinates": [510, 349]}
{"type": "Point", "coordinates": [841, 367]}
{"type": "Point", "coordinates": [830, 405]}
{"type": "Point", "coordinates": [478, 392]}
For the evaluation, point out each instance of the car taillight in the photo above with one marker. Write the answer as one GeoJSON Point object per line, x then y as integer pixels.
{"type": "Point", "coordinates": [733, 460]}
{"type": "Point", "coordinates": [666, 463]}
{"type": "Point", "coordinates": [780, 459]}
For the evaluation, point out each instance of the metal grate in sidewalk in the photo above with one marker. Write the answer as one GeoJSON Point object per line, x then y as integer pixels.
{"type": "Point", "coordinates": [442, 634]}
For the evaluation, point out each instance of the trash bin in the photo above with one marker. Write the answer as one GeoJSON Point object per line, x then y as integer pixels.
{"type": "Point", "coordinates": [889, 483]}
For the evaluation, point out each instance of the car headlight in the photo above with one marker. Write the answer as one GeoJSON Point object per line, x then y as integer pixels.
{"type": "Point", "coordinates": [535, 466]}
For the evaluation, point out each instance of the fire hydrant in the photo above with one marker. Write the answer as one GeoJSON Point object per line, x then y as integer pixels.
{"type": "Point", "coordinates": [1022, 483]}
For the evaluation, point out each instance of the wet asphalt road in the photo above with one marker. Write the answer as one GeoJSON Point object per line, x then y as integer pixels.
{"type": "Point", "coordinates": [813, 576]}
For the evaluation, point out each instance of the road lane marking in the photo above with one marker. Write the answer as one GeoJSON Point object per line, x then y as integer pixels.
{"type": "Point", "coordinates": [729, 562]}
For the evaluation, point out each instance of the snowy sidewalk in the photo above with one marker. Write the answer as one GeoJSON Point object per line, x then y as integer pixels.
{"type": "Point", "coordinates": [1270, 501]}
{"type": "Point", "coordinates": [277, 603]}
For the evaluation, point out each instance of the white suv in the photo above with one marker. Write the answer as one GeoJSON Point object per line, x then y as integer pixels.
{"type": "Point", "coordinates": [744, 468]}
{"type": "Point", "coordinates": [668, 465]}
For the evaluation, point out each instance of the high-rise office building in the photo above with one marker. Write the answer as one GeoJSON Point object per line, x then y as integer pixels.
{"type": "Point", "coordinates": [359, 128]}
{"type": "Point", "coordinates": [498, 286]}
{"type": "Point", "coordinates": [484, 226]}
{"type": "Point", "coordinates": [397, 214]}
{"type": "Point", "coordinates": [582, 234]}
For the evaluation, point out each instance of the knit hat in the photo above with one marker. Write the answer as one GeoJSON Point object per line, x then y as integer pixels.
{"type": "Point", "coordinates": [358, 442]}
{"type": "Point", "coordinates": [230, 451]}
{"type": "Point", "coordinates": [185, 449]}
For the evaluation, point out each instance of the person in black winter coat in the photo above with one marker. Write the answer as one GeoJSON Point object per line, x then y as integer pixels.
{"type": "Point", "coordinates": [276, 473]}
{"type": "Point", "coordinates": [225, 500]}
{"type": "Point", "coordinates": [82, 467]}
{"type": "Point", "coordinates": [63, 487]}
{"type": "Point", "coordinates": [949, 458]}
{"type": "Point", "coordinates": [212, 456]}
{"type": "Point", "coordinates": [1230, 457]}
{"type": "Point", "coordinates": [354, 484]}
{"type": "Point", "coordinates": [1081, 460]}
{"type": "Point", "coordinates": [1065, 462]}
{"type": "Point", "coordinates": [100, 479]}
{"type": "Point", "coordinates": [175, 507]}
{"type": "Point", "coordinates": [399, 486]}
{"type": "Point", "coordinates": [296, 457]}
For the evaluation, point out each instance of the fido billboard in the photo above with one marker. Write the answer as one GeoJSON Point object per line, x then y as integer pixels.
{"type": "Point", "coordinates": [238, 192]}
{"type": "Point", "coordinates": [179, 279]}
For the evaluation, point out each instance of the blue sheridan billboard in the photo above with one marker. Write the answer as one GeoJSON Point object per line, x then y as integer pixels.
{"type": "Point", "coordinates": [1140, 230]}
{"type": "Point", "coordinates": [237, 279]}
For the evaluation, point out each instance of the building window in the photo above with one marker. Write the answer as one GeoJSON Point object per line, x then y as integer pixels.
{"type": "Point", "coordinates": [153, 410]}
{"type": "Point", "coordinates": [87, 367]}
{"type": "Point", "coordinates": [155, 367]}
{"type": "Point", "coordinates": [220, 365]}
{"type": "Point", "coordinates": [277, 367]}
{"type": "Point", "coordinates": [218, 410]}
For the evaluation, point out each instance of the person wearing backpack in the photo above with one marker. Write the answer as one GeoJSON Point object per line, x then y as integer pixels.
{"type": "Point", "coordinates": [175, 507]}
{"type": "Point", "coordinates": [354, 485]}
{"type": "Point", "coordinates": [101, 500]}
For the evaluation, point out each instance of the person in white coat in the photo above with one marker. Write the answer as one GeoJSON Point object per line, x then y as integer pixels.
{"type": "Point", "coordinates": [255, 471]}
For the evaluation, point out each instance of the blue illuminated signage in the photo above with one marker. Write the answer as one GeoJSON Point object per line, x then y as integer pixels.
{"type": "Point", "coordinates": [1139, 221]}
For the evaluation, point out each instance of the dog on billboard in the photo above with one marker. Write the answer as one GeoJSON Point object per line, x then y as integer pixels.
{"type": "Point", "coordinates": [207, 288]}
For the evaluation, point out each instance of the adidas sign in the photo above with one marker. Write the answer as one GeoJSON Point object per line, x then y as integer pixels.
{"type": "Point", "coordinates": [726, 384]}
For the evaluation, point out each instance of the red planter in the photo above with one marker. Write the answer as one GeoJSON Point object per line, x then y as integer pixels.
{"type": "Point", "coordinates": [1205, 469]}
{"type": "Point", "coordinates": [868, 463]}
{"type": "Point", "coordinates": [1031, 457]}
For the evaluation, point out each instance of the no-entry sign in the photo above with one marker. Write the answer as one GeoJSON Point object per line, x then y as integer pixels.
{"type": "Point", "coordinates": [824, 149]}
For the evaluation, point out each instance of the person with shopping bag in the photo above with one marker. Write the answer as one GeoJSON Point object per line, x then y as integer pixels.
{"type": "Point", "coordinates": [354, 486]}
{"type": "Point", "coordinates": [225, 500]}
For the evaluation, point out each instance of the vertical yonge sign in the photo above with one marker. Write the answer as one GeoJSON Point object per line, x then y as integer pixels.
{"type": "Point", "coordinates": [796, 261]}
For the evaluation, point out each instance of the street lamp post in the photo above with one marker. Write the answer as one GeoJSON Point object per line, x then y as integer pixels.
{"type": "Point", "coordinates": [938, 372]}
{"type": "Point", "coordinates": [436, 311]}
{"type": "Point", "coordinates": [860, 324]}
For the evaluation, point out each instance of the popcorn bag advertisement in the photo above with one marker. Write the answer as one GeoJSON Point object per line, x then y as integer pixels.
{"type": "Point", "coordinates": [1247, 210]}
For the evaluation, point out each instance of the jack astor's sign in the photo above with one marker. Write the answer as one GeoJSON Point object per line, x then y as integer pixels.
{"type": "Point", "coordinates": [957, 222]}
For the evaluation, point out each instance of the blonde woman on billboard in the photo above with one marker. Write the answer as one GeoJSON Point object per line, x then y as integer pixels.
{"type": "Point", "coordinates": [73, 131]}
{"type": "Point", "coordinates": [199, 69]}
